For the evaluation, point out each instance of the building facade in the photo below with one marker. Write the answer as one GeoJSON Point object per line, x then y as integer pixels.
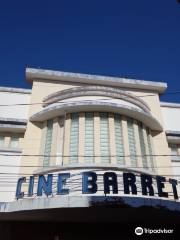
{"type": "Point", "coordinates": [72, 123]}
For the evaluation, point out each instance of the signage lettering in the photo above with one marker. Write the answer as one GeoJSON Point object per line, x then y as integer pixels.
{"type": "Point", "coordinates": [90, 185]}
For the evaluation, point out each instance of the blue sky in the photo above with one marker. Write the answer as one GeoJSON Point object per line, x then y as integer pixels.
{"type": "Point", "coordinates": [126, 38]}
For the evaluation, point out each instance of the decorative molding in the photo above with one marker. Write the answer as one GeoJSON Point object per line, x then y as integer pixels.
{"type": "Point", "coordinates": [170, 105]}
{"type": "Point", "coordinates": [15, 121]}
{"type": "Point", "coordinates": [12, 128]}
{"type": "Point", "coordinates": [101, 166]}
{"type": "Point", "coordinates": [53, 208]}
{"type": "Point", "coordinates": [11, 150]}
{"type": "Point", "coordinates": [173, 139]}
{"type": "Point", "coordinates": [96, 91]}
{"type": "Point", "coordinates": [33, 73]}
{"type": "Point", "coordinates": [15, 90]}
{"type": "Point", "coordinates": [13, 125]}
{"type": "Point", "coordinates": [80, 106]}
{"type": "Point", "coordinates": [173, 133]}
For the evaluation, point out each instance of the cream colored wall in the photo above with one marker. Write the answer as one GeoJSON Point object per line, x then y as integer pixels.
{"type": "Point", "coordinates": [32, 140]}
{"type": "Point", "coordinates": [33, 135]}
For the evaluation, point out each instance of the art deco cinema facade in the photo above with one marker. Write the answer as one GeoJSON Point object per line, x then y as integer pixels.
{"type": "Point", "coordinates": [71, 125]}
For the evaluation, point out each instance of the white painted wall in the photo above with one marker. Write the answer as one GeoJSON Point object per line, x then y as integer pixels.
{"type": "Point", "coordinates": [171, 118]}
{"type": "Point", "coordinates": [8, 176]}
{"type": "Point", "coordinates": [176, 169]}
{"type": "Point", "coordinates": [20, 112]}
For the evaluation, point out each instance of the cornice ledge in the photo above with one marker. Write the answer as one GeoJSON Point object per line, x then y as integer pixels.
{"type": "Point", "coordinates": [33, 73]}
{"type": "Point", "coordinates": [96, 91]}
{"type": "Point", "coordinates": [81, 106]}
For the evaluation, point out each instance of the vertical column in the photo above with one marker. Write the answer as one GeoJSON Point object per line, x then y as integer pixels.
{"type": "Point", "coordinates": [151, 150]}
{"type": "Point", "coordinates": [112, 138]}
{"type": "Point", "coordinates": [7, 141]}
{"type": "Point", "coordinates": [81, 137]}
{"type": "Point", "coordinates": [60, 140]}
{"type": "Point", "coordinates": [146, 148]}
{"type": "Point", "coordinates": [66, 139]}
{"type": "Point", "coordinates": [126, 141]}
{"type": "Point", "coordinates": [43, 139]}
{"type": "Point", "coordinates": [119, 139]}
{"type": "Point", "coordinates": [97, 150]}
{"type": "Point", "coordinates": [104, 138]}
{"type": "Point", "coordinates": [48, 143]}
{"type": "Point", "coordinates": [178, 152]}
{"type": "Point", "coordinates": [138, 145]}
{"type": "Point", "coordinates": [54, 141]}
{"type": "Point", "coordinates": [143, 146]}
{"type": "Point", "coordinates": [74, 138]}
{"type": "Point", "coordinates": [89, 138]}
{"type": "Point", "coordinates": [132, 142]}
{"type": "Point", "coordinates": [2, 140]}
{"type": "Point", "coordinates": [21, 140]}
